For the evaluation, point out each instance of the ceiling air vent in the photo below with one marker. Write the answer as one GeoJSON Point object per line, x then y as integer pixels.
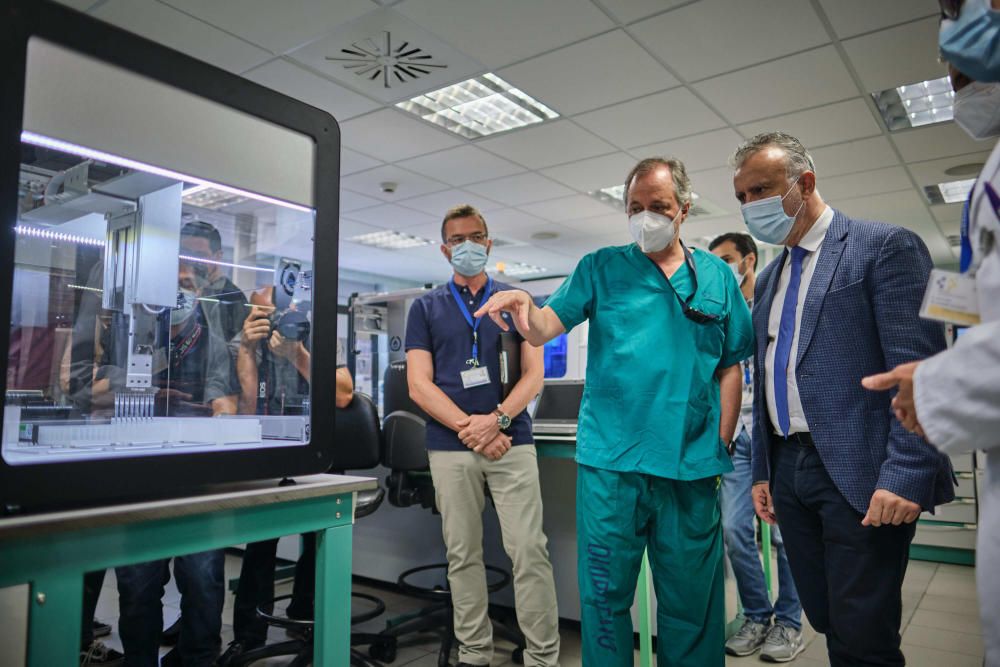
{"type": "Point", "coordinates": [376, 58]}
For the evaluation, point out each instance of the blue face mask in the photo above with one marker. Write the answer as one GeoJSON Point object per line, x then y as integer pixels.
{"type": "Point", "coordinates": [766, 218]}
{"type": "Point", "coordinates": [469, 258]}
{"type": "Point", "coordinates": [972, 41]}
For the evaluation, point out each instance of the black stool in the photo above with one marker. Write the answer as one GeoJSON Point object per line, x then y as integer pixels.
{"type": "Point", "coordinates": [438, 618]}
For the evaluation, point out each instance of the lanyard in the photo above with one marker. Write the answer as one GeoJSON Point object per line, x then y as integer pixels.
{"type": "Point", "coordinates": [747, 380]}
{"type": "Point", "coordinates": [965, 253]}
{"type": "Point", "coordinates": [474, 360]}
{"type": "Point", "coordinates": [692, 314]}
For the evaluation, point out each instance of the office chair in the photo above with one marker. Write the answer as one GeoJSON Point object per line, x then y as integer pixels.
{"type": "Point", "coordinates": [359, 446]}
{"type": "Point", "coordinates": [409, 483]}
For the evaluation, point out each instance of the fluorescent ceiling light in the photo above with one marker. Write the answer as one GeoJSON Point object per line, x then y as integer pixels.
{"type": "Point", "coordinates": [390, 240]}
{"type": "Point", "coordinates": [479, 107]}
{"type": "Point", "coordinates": [204, 196]}
{"type": "Point", "coordinates": [916, 104]}
{"type": "Point", "coordinates": [516, 269]}
{"type": "Point", "coordinates": [43, 233]}
{"type": "Point", "coordinates": [101, 156]}
{"type": "Point", "coordinates": [952, 192]}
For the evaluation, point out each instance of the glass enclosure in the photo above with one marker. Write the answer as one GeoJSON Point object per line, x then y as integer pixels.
{"type": "Point", "coordinates": [152, 312]}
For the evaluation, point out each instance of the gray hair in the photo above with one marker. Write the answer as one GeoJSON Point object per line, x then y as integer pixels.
{"type": "Point", "coordinates": [678, 174]}
{"type": "Point", "coordinates": [797, 158]}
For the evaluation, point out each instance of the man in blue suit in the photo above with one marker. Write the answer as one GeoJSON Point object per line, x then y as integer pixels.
{"type": "Point", "coordinates": [847, 481]}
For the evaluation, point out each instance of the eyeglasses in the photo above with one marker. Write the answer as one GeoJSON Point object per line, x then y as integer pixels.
{"type": "Point", "coordinates": [458, 239]}
{"type": "Point", "coordinates": [950, 8]}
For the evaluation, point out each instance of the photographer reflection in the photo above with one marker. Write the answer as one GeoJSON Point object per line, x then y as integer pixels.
{"type": "Point", "coordinates": [273, 364]}
{"type": "Point", "coordinates": [226, 308]}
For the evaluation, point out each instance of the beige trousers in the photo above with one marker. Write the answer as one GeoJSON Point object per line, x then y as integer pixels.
{"type": "Point", "coordinates": [459, 479]}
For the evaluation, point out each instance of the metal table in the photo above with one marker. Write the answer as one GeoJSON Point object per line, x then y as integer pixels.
{"type": "Point", "coordinates": [52, 551]}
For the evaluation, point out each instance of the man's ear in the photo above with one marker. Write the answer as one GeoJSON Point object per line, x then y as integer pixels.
{"type": "Point", "coordinates": [445, 252]}
{"type": "Point", "coordinates": [751, 259]}
{"type": "Point", "coordinates": [808, 182]}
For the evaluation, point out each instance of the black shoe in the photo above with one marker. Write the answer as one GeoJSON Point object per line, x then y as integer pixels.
{"type": "Point", "coordinates": [170, 636]}
{"type": "Point", "coordinates": [99, 654]}
{"type": "Point", "coordinates": [234, 650]}
{"type": "Point", "coordinates": [172, 658]}
{"type": "Point", "coordinates": [100, 629]}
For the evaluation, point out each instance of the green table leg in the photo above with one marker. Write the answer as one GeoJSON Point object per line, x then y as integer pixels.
{"type": "Point", "coordinates": [54, 610]}
{"type": "Point", "coordinates": [765, 549]}
{"type": "Point", "coordinates": [332, 640]}
{"type": "Point", "coordinates": [645, 615]}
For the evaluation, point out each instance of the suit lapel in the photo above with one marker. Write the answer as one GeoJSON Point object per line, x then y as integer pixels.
{"type": "Point", "coordinates": [829, 258]}
{"type": "Point", "coordinates": [763, 312]}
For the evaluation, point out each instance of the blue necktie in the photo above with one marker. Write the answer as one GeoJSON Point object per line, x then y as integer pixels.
{"type": "Point", "coordinates": [786, 333]}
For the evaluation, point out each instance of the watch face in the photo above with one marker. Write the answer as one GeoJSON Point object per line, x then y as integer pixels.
{"type": "Point", "coordinates": [504, 421]}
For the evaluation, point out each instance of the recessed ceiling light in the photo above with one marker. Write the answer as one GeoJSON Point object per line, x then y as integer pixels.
{"type": "Point", "coordinates": [205, 196]}
{"type": "Point", "coordinates": [967, 169]}
{"type": "Point", "coordinates": [390, 240]}
{"type": "Point", "coordinates": [952, 192]}
{"type": "Point", "coordinates": [545, 236]}
{"type": "Point", "coordinates": [917, 104]}
{"type": "Point", "coordinates": [479, 107]}
{"type": "Point", "coordinates": [517, 269]}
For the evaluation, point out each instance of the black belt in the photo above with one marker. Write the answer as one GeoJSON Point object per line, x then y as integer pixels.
{"type": "Point", "coordinates": [805, 439]}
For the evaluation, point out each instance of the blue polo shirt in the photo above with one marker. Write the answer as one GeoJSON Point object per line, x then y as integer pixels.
{"type": "Point", "coordinates": [436, 324]}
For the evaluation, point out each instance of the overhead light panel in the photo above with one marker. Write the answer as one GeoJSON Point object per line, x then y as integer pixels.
{"type": "Point", "coordinates": [390, 240]}
{"type": "Point", "coordinates": [479, 107]}
{"type": "Point", "coordinates": [205, 196]}
{"type": "Point", "coordinates": [916, 104]}
{"type": "Point", "coordinates": [952, 192]}
{"type": "Point", "coordinates": [516, 269]}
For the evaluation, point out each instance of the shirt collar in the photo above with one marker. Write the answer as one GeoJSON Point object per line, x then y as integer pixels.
{"type": "Point", "coordinates": [814, 237]}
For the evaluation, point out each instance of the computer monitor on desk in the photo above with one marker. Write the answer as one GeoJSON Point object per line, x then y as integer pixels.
{"type": "Point", "coordinates": [558, 408]}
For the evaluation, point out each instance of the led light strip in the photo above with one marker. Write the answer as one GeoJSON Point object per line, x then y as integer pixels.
{"type": "Point", "coordinates": [38, 232]}
{"type": "Point", "coordinates": [202, 260]}
{"type": "Point", "coordinates": [82, 151]}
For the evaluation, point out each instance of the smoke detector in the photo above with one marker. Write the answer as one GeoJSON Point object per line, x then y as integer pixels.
{"type": "Point", "coordinates": [377, 58]}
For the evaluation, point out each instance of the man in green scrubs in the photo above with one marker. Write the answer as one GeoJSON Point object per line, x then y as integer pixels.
{"type": "Point", "coordinates": [668, 329]}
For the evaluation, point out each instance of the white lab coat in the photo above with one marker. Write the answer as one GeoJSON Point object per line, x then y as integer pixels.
{"type": "Point", "coordinates": [957, 396]}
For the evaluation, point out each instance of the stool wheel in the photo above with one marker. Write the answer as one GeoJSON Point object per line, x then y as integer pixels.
{"type": "Point", "coordinates": [384, 649]}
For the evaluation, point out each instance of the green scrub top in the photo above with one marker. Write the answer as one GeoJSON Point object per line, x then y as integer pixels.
{"type": "Point", "coordinates": [651, 399]}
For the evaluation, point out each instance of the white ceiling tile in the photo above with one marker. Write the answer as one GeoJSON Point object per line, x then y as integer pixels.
{"type": "Point", "coordinates": [862, 183]}
{"type": "Point", "coordinates": [853, 17]}
{"type": "Point", "coordinates": [177, 30]}
{"type": "Point", "coordinates": [932, 171]}
{"type": "Point", "coordinates": [351, 228]}
{"type": "Point", "coordinates": [860, 155]}
{"type": "Point", "coordinates": [574, 207]}
{"type": "Point", "coordinates": [390, 216]}
{"type": "Point", "coordinates": [716, 187]}
{"type": "Point", "coordinates": [407, 183]}
{"type": "Point", "coordinates": [515, 224]}
{"type": "Point", "coordinates": [520, 189]}
{"type": "Point", "coordinates": [906, 209]}
{"type": "Point", "coordinates": [353, 161]}
{"type": "Point", "coordinates": [702, 151]}
{"type": "Point", "coordinates": [627, 11]}
{"type": "Point", "coordinates": [499, 33]}
{"type": "Point", "coordinates": [390, 135]}
{"type": "Point", "coordinates": [658, 117]}
{"type": "Point", "coordinates": [798, 82]}
{"type": "Point", "coordinates": [293, 80]}
{"type": "Point", "coordinates": [615, 223]}
{"type": "Point", "coordinates": [555, 263]}
{"type": "Point", "coordinates": [829, 124]}
{"type": "Point", "coordinates": [380, 32]}
{"type": "Point", "coordinates": [593, 173]}
{"type": "Point", "coordinates": [936, 141]}
{"type": "Point", "coordinates": [947, 214]}
{"type": "Point", "coordinates": [546, 144]}
{"type": "Point", "coordinates": [438, 203]}
{"type": "Point", "coordinates": [715, 36]}
{"type": "Point", "coordinates": [351, 201]}
{"type": "Point", "coordinates": [597, 72]}
{"type": "Point", "coordinates": [462, 165]}
{"type": "Point", "coordinates": [897, 56]}
{"type": "Point", "coordinates": [276, 26]}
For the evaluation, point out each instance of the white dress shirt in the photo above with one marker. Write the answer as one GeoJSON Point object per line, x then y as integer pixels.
{"type": "Point", "coordinates": [813, 242]}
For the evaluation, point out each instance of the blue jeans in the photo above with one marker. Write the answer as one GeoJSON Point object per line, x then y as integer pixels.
{"type": "Point", "coordinates": [739, 529]}
{"type": "Point", "coordinates": [201, 582]}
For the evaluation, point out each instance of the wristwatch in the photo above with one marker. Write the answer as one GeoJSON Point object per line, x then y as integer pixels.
{"type": "Point", "coordinates": [503, 419]}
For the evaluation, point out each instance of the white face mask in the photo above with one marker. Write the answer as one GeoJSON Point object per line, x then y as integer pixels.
{"type": "Point", "coordinates": [735, 268]}
{"type": "Point", "coordinates": [977, 109]}
{"type": "Point", "coordinates": [186, 301]}
{"type": "Point", "coordinates": [651, 231]}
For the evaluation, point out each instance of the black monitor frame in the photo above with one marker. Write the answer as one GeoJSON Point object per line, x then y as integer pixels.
{"type": "Point", "coordinates": [51, 485]}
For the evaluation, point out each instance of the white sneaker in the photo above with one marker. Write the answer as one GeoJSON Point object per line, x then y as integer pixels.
{"type": "Point", "coordinates": [783, 644]}
{"type": "Point", "coordinates": [748, 639]}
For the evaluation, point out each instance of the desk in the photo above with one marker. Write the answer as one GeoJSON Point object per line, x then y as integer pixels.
{"type": "Point", "coordinates": [51, 552]}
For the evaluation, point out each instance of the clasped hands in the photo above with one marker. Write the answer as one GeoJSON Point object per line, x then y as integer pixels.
{"type": "Point", "coordinates": [884, 509]}
{"type": "Point", "coordinates": [481, 434]}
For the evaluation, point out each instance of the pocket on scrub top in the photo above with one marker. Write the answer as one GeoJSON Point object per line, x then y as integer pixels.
{"type": "Point", "coordinates": [710, 336]}
{"type": "Point", "coordinates": [601, 417]}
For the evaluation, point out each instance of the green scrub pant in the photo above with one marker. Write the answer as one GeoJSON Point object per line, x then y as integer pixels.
{"type": "Point", "coordinates": [617, 516]}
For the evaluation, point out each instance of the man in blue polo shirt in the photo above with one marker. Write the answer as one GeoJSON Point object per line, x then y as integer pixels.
{"type": "Point", "coordinates": [668, 330]}
{"type": "Point", "coordinates": [477, 437]}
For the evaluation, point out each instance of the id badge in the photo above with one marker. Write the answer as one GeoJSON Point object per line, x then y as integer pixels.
{"type": "Point", "coordinates": [475, 377]}
{"type": "Point", "coordinates": [951, 297]}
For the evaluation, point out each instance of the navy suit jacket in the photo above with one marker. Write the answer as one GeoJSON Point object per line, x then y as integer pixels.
{"type": "Point", "coordinates": [860, 316]}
